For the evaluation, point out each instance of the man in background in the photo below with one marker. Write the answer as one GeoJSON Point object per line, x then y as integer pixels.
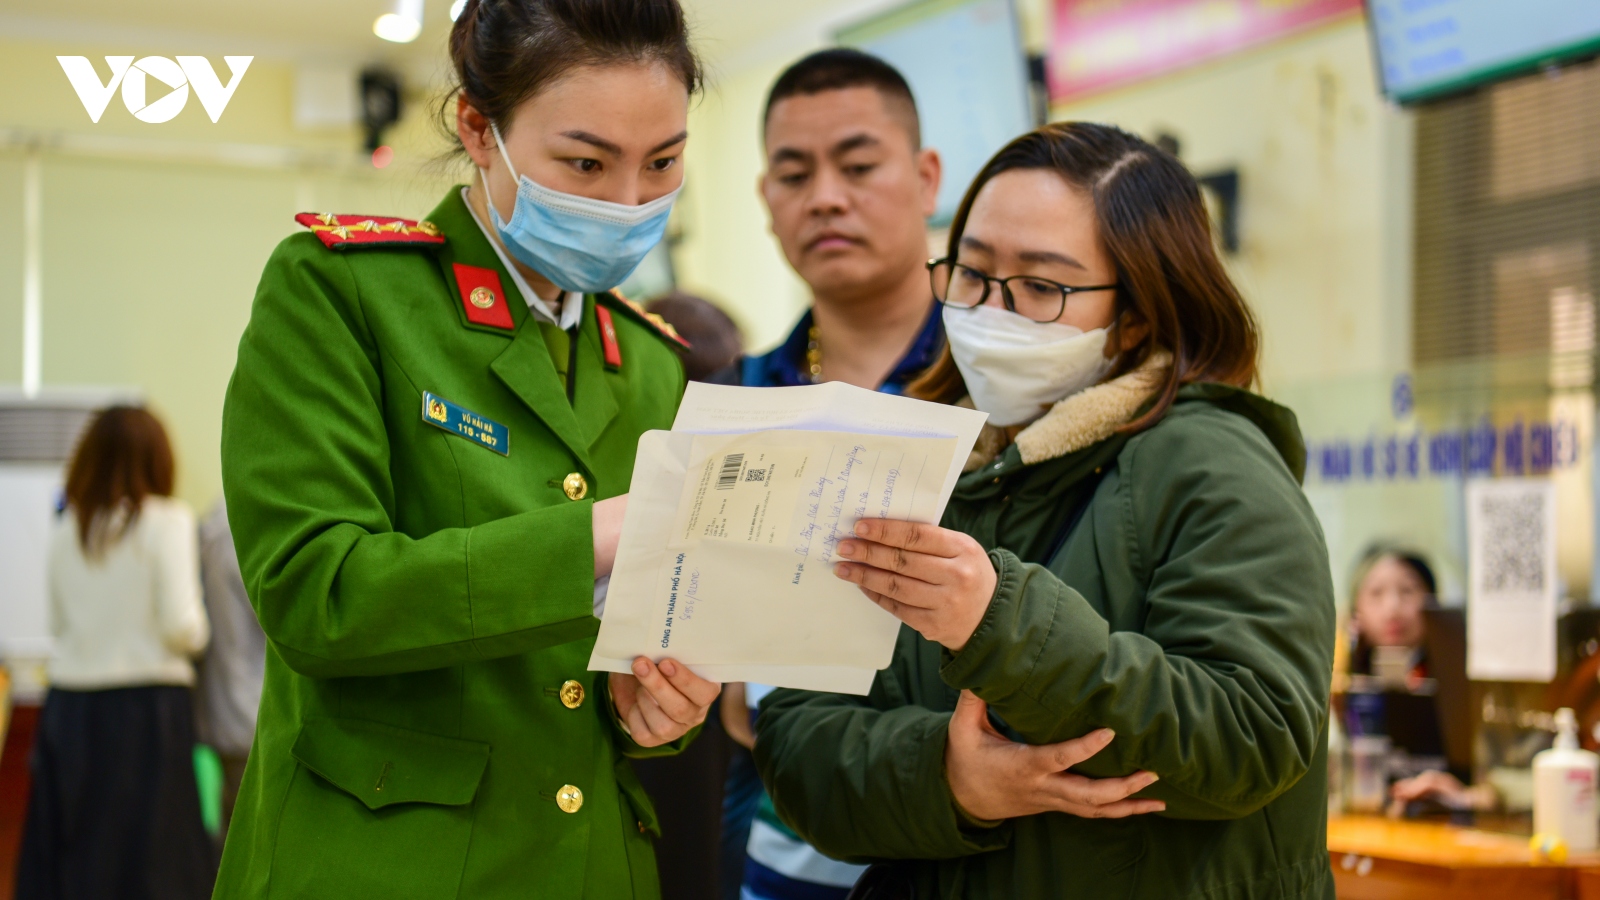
{"type": "Point", "coordinates": [228, 679]}
{"type": "Point", "coordinates": [848, 190]}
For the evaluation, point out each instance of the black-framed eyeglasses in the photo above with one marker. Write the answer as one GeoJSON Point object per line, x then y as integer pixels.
{"type": "Point", "coordinates": [1039, 299]}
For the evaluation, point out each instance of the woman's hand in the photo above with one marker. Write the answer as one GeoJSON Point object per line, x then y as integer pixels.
{"type": "Point", "coordinates": [659, 704]}
{"type": "Point", "coordinates": [607, 526]}
{"type": "Point", "coordinates": [937, 581]}
{"type": "Point", "coordinates": [996, 778]}
{"type": "Point", "coordinates": [1444, 788]}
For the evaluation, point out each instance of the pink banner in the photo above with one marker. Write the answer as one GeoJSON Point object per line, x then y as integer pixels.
{"type": "Point", "coordinates": [1102, 44]}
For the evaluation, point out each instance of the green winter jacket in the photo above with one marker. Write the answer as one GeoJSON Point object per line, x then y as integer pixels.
{"type": "Point", "coordinates": [1190, 610]}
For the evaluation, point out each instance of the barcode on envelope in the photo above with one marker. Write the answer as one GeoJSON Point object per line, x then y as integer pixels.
{"type": "Point", "coordinates": [731, 466]}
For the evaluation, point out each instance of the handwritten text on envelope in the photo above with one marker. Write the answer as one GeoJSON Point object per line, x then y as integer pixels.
{"type": "Point", "coordinates": [735, 565]}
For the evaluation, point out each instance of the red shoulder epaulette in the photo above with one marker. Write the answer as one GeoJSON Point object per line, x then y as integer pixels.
{"type": "Point", "coordinates": [654, 322]}
{"type": "Point", "coordinates": [344, 232]}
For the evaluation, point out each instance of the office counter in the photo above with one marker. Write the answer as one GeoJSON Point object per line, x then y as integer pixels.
{"type": "Point", "coordinates": [1376, 858]}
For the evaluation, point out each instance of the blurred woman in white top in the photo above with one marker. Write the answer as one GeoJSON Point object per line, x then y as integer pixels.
{"type": "Point", "coordinates": [114, 810]}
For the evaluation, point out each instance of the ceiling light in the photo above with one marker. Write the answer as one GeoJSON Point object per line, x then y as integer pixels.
{"type": "Point", "coordinates": [456, 8]}
{"type": "Point", "coordinates": [402, 24]}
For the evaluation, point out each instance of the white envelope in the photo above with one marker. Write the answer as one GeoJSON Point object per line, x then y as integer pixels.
{"type": "Point", "coordinates": [725, 558]}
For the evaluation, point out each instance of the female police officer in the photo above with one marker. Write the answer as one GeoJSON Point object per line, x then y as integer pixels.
{"type": "Point", "coordinates": [424, 444]}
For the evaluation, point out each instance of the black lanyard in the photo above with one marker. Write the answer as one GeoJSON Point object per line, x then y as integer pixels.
{"type": "Point", "coordinates": [572, 360]}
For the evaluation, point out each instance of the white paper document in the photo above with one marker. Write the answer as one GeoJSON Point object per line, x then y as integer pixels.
{"type": "Point", "coordinates": [725, 561]}
{"type": "Point", "coordinates": [1511, 580]}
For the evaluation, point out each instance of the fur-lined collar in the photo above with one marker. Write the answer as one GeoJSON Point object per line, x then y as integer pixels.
{"type": "Point", "coordinates": [1089, 416]}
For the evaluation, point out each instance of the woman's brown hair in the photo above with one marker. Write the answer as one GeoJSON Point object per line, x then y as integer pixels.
{"type": "Point", "coordinates": [505, 51]}
{"type": "Point", "coordinates": [122, 458]}
{"type": "Point", "coordinates": [1156, 230]}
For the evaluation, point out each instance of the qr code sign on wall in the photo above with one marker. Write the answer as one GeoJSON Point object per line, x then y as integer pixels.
{"type": "Point", "coordinates": [1511, 579]}
{"type": "Point", "coordinates": [1513, 543]}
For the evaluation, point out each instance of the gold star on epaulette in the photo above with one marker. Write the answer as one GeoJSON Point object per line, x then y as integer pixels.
{"type": "Point", "coordinates": [339, 230]}
{"type": "Point", "coordinates": [366, 225]}
{"type": "Point", "coordinates": [328, 218]}
{"type": "Point", "coordinates": [427, 228]}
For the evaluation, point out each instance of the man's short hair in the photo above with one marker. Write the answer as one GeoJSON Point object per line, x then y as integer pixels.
{"type": "Point", "coordinates": [839, 68]}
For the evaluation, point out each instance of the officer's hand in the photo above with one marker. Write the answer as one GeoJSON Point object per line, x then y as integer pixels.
{"type": "Point", "coordinates": [936, 580]}
{"type": "Point", "coordinates": [660, 704]}
{"type": "Point", "coordinates": [996, 778]}
{"type": "Point", "coordinates": [607, 526]}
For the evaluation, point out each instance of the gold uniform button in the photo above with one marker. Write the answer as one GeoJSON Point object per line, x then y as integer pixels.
{"type": "Point", "coordinates": [571, 694]}
{"type": "Point", "coordinates": [481, 297]}
{"type": "Point", "coordinates": [576, 487]}
{"type": "Point", "coordinates": [569, 798]}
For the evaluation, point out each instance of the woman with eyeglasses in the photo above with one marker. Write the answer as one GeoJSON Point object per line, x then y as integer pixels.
{"type": "Point", "coordinates": [1114, 679]}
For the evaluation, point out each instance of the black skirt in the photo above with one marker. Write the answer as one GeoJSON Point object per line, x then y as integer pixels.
{"type": "Point", "coordinates": [114, 811]}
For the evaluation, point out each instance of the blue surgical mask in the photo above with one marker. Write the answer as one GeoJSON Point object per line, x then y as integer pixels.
{"type": "Point", "coordinates": [578, 243]}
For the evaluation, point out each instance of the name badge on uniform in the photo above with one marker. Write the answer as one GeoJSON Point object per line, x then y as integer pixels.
{"type": "Point", "coordinates": [441, 413]}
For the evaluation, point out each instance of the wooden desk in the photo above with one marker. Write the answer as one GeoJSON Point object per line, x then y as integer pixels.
{"type": "Point", "coordinates": [1375, 858]}
{"type": "Point", "coordinates": [14, 785]}
{"type": "Point", "coordinates": [1586, 885]}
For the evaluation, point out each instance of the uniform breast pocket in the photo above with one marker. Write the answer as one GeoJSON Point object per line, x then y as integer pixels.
{"type": "Point", "coordinates": [376, 811]}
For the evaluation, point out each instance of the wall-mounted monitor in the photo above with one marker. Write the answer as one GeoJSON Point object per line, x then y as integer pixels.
{"type": "Point", "coordinates": [1430, 48]}
{"type": "Point", "coordinates": [966, 67]}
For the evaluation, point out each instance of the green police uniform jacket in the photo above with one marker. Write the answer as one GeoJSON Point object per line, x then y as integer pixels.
{"type": "Point", "coordinates": [428, 727]}
{"type": "Point", "coordinates": [1190, 610]}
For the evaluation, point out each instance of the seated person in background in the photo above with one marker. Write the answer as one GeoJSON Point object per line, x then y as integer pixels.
{"type": "Point", "coordinates": [1393, 587]}
{"type": "Point", "coordinates": [1388, 631]}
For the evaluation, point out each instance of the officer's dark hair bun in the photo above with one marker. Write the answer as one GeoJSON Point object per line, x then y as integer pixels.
{"type": "Point", "coordinates": [505, 51]}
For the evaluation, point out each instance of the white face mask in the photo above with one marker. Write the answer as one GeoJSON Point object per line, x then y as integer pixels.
{"type": "Point", "coordinates": [1016, 369]}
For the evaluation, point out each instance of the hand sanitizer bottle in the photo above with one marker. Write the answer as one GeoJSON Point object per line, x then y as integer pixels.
{"type": "Point", "coordinates": [1564, 781]}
